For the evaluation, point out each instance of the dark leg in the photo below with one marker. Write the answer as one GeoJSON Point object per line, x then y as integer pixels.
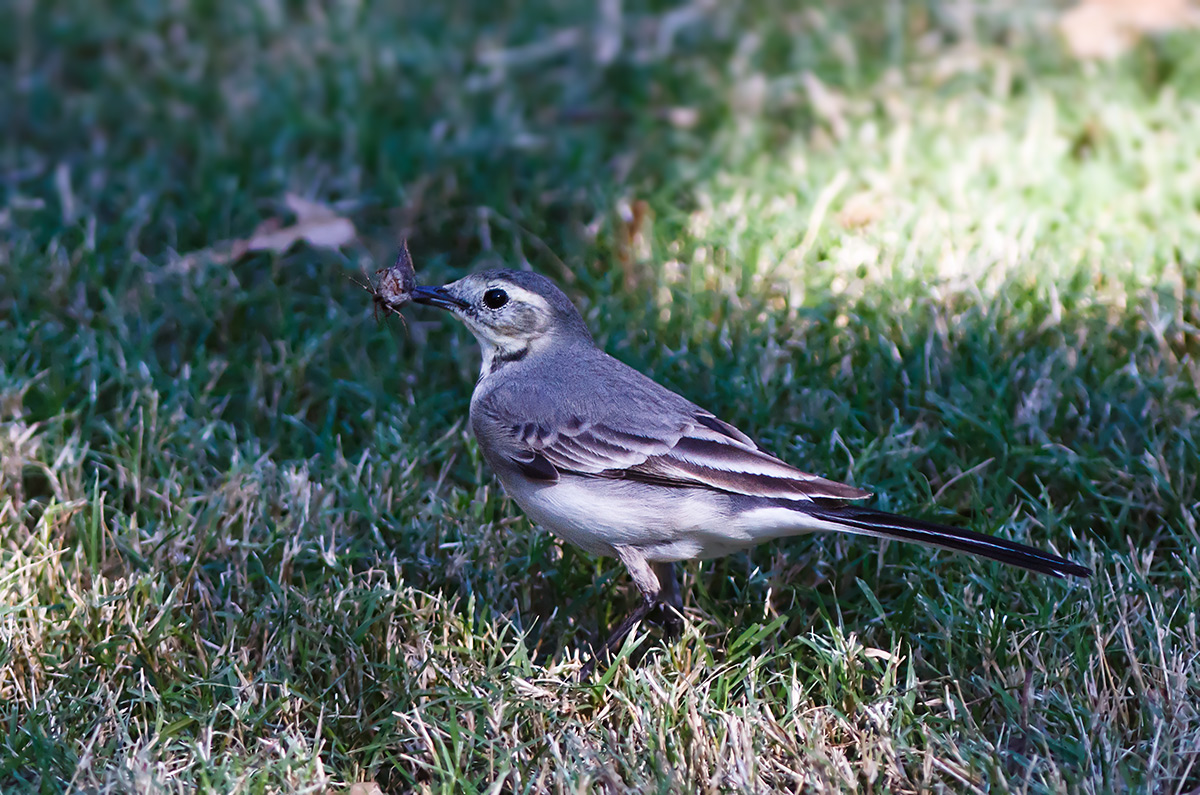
{"type": "Point", "coordinates": [618, 636]}
{"type": "Point", "coordinates": [669, 613]}
{"type": "Point", "coordinates": [647, 582]}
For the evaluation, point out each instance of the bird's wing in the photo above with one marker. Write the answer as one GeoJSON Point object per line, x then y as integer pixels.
{"type": "Point", "coordinates": [665, 440]}
{"type": "Point", "coordinates": [716, 462]}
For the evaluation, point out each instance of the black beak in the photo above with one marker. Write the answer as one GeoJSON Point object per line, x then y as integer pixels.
{"type": "Point", "coordinates": [437, 296]}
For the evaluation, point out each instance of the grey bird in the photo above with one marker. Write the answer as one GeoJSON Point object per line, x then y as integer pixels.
{"type": "Point", "coordinates": [618, 465]}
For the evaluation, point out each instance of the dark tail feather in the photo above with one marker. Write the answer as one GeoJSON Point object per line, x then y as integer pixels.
{"type": "Point", "coordinates": [889, 525]}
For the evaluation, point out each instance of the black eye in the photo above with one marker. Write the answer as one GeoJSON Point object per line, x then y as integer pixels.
{"type": "Point", "coordinates": [494, 299]}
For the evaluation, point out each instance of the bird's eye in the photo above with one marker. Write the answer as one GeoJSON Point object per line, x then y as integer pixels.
{"type": "Point", "coordinates": [494, 299]}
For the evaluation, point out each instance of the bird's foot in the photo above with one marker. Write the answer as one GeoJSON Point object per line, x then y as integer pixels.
{"type": "Point", "coordinates": [665, 615]}
{"type": "Point", "coordinates": [618, 636]}
{"type": "Point", "coordinates": [670, 618]}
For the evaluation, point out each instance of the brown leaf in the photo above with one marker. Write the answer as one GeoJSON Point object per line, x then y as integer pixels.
{"type": "Point", "coordinates": [316, 224]}
{"type": "Point", "coordinates": [364, 788]}
{"type": "Point", "coordinates": [861, 209]}
{"type": "Point", "coordinates": [1107, 28]}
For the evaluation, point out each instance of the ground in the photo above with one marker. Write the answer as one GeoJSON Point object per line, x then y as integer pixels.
{"type": "Point", "coordinates": [246, 540]}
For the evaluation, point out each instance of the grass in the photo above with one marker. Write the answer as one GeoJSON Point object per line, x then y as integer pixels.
{"type": "Point", "coordinates": [247, 544]}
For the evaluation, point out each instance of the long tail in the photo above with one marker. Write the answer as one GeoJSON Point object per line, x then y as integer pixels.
{"type": "Point", "coordinates": [865, 521]}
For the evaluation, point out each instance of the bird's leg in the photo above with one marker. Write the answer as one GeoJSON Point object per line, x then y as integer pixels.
{"type": "Point", "coordinates": [618, 635]}
{"type": "Point", "coordinates": [647, 582]}
{"type": "Point", "coordinates": [669, 612]}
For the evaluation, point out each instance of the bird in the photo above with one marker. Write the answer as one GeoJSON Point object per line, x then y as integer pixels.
{"type": "Point", "coordinates": [608, 460]}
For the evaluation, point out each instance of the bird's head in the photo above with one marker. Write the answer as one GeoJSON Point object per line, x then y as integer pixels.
{"type": "Point", "coordinates": [511, 313]}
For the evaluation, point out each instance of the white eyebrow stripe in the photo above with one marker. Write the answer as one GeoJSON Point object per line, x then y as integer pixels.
{"type": "Point", "coordinates": [527, 297]}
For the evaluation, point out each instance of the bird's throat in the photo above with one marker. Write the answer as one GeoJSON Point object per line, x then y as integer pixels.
{"type": "Point", "coordinates": [495, 358]}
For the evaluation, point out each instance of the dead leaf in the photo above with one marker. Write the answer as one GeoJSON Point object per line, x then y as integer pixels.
{"type": "Point", "coordinates": [1104, 29]}
{"type": "Point", "coordinates": [859, 210]}
{"type": "Point", "coordinates": [364, 788]}
{"type": "Point", "coordinates": [316, 224]}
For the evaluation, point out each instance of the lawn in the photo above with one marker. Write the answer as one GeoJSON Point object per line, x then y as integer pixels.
{"type": "Point", "coordinates": [248, 544]}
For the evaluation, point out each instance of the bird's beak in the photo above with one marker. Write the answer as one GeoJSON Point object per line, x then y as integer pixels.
{"type": "Point", "coordinates": [437, 296]}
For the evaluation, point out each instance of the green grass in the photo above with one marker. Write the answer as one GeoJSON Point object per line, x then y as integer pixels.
{"type": "Point", "coordinates": [246, 542]}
